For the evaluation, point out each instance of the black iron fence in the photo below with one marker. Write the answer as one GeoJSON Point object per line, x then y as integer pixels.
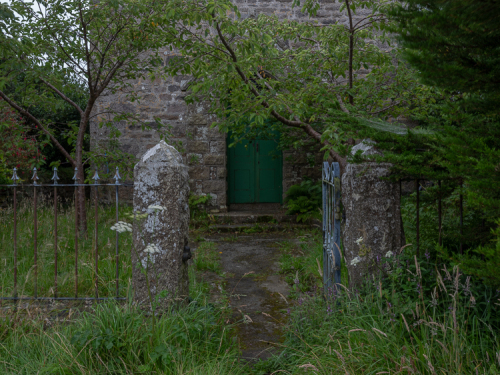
{"type": "Point", "coordinates": [55, 185]}
{"type": "Point", "coordinates": [418, 188]}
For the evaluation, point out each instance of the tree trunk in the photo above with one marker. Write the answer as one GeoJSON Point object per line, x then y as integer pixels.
{"type": "Point", "coordinates": [82, 207]}
{"type": "Point", "coordinates": [80, 202]}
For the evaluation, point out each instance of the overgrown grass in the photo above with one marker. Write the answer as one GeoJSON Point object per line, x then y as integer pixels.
{"type": "Point", "coordinates": [302, 264]}
{"type": "Point", "coordinates": [206, 257]}
{"type": "Point", "coordinates": [411, 319]}
{"type": "Point", "coordinates": [115, 339]}
{"type": "Point", "coordinates": [65, 252]}
{"type": "Point", "coordinates": [106, 338]}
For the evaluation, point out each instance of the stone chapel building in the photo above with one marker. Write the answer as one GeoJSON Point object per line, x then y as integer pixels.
{"type": "Point", "coordinates": [249, 173]}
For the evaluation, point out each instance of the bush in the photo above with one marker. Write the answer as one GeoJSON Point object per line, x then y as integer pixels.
{"type": "Point", "coordinates": [198, 205]}
{"type": "Point", "coordinates": [304, 200]}
{"type": "Point", "coordinates": [480, 239]}
{"type": "Point", "coordinates": [18, 149]}
{"type": "Point", "coordinates": [484, 261]}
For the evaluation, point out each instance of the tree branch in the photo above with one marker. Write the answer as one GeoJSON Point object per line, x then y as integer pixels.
{"type": "Point", "coordinates": [351, 50]}
{"type": "Point", "coordinates": [64, 97]}
{"type": "Point", "coordinates": [307, 128]}
{"type": "Point", "coordinates": [385, 109]}
{"type": "Point", "coordinates": [341, 103]}
{"type": "Point", "coordinates": [38, 123]}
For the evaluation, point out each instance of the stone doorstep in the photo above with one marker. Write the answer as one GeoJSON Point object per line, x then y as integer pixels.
{"type": "Point", "coordinates": [269, 216]}
{"type": "Point", "coordinates": [258, 227]}
{"type": "Point", "coordinates": [251, 217]}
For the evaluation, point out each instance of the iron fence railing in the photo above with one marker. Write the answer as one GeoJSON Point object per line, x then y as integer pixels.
{"type": "Point", "coordinates": [418, 189]}
{"type": "Point", "coordinates": [331, 226]}
{"type": "Point", "coordinates": [55, 185]}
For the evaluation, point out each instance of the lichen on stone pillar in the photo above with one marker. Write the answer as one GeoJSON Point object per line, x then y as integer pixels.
{"type": "Point", "coordinates": [161, 190]}
{"type": "Point", "coordinates": [372, 227]}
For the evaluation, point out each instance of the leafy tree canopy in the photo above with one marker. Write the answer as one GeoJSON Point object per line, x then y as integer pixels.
{"type": "Point", "coordinates": [50, 49]}
{"type": "Point", "coordinates": [315, 82]}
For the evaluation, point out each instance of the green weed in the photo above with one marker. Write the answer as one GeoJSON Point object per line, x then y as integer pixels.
{"type": "Point", "coordinates": [206, 257]}
{"type": "Point", "coordinates": [302, 265]}
{"type": "Point", "coordinates": [256, 228]}
{"type": "Point", "coordinates": [113, 339]}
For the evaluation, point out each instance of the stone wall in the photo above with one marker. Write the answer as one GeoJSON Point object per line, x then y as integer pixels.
{"type": "Point", "coordinates": [204, 148]}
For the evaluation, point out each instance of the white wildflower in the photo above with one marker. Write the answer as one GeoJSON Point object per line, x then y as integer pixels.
{"type": "Point", "coordinates": [156, 208]}
{"type": "Point", "coordinates": [359, 240]}
{"type": "Point", "coordinates": [152, 249]}
{"type": "Point", "coordinates": [389, 254]}
{"type": "Point", "coordinates": [355, 261]}
{"type": "Point", "coordinates": [122, 226]}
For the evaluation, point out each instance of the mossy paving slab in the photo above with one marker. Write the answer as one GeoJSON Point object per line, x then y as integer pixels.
{"type": "Point", "coordinates": [257, 293]}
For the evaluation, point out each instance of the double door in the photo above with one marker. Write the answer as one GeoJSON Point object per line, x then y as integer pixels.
{"type": "Point", "coordinates": [255, 172]}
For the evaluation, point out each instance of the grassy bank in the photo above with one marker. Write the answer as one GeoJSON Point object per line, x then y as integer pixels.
{"type": "Point", "coordinates": [113, 339]}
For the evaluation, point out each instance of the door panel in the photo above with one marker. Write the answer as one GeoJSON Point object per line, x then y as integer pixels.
{"type": "Point", "coordinates": [255, 172]}
{"type": "Point", "coordinates": [269, 172]}
{"type": "Point", "coordinates": [241, 167]}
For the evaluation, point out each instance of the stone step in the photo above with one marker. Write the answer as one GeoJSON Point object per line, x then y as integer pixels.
{"type": "Point", "coordinates": [249, 217]}
{"type": "Point", "coordinates": [258, 227]}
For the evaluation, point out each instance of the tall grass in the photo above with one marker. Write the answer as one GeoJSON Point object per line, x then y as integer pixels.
{"type": "Point", "coordinates": [106, 338]}
{"type": "Point", "coordinates": [302, 264]}
{"type": "Point", "coordinates": [122, 340]}
{"type": "Point", "coordinates": [207, 258]}
{"type": "Point", "coordinates": [65, 251]}
{"type": "Point", "coordinates": [395, 324]}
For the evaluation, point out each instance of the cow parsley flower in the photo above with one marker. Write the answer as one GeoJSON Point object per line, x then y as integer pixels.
{"type": "Point", "coordinates": [152, 249]}
{"type": "Point", "coordinates": [359, 240]}
{"type": "Point", "coordinates": [122, 226]}
{"type": "Point", "coordinates": [389, 254]}
{"type": "Point", "coordinates": [355, 261]}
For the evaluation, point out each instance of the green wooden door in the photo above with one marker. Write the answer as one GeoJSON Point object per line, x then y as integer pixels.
{"type": "Point", "coordinates": [255, 172]}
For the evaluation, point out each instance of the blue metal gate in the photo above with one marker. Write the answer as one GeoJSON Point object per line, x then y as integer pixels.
{"type": "Point", "coordinates": [331, 226]}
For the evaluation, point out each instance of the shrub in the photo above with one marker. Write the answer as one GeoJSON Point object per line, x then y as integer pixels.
{"type": "Point", "coordinates": [304, 200]}
{"type": "Point", "coordinates": [18, 149]}
{"type": "Point", "coordinates": [198, 205]}
{"type": "Point", "coordinates": [484, 261]}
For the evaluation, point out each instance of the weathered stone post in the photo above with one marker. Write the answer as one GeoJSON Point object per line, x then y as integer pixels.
{"type": "Point", "coordinates": [373, 219]}
{"type": "Point", "coordinates": [161, 179]}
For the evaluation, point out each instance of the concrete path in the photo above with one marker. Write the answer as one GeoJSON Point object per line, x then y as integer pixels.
{"type": "Point", "coordinates": [256, 291]}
